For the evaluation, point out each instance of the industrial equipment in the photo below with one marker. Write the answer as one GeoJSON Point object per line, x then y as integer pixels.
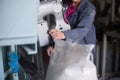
{"type": "Point", "coordinates": [50, 7]}
{"type": "Point", "coordinates": [18, 26]}
{"type": "Point", "coordinates": [18, 21]}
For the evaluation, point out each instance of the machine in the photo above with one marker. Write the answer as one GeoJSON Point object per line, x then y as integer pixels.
{"type": "Point", "coordinates": [18, 21]}
{"type": "Point", "coordinates": [18, 26]}
{"type": "Point", "coordinates": [50, 7]}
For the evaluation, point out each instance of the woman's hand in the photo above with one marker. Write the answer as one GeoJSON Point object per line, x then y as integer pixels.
{"type": "Point", "coordinates": [49, 50]}
{"type": "Point", "coordinates": [56, 34]}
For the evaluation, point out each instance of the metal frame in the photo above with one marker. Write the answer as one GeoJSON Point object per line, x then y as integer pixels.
{"type": "Point", "coordinates": [1, 63]}
{"type": "Point", "coordinates": [114, 35]}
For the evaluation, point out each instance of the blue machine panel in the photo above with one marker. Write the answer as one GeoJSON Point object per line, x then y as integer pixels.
{"type": "Point", "coordinates": [18, 22]}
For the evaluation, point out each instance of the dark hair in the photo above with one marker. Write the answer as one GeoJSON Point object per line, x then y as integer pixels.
{"type": "Point", "coordinates": [66, 1]}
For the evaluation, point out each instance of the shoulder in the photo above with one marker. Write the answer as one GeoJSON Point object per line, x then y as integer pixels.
{"type": "Point", "coordinates": [86, 7]}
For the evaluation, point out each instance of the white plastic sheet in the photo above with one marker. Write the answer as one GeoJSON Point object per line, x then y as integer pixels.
{"type": "Point", "coordinates": [69, 61]}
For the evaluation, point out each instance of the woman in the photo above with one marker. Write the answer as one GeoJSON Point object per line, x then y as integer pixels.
{"type": "Point", "coordinates": [80, 15]}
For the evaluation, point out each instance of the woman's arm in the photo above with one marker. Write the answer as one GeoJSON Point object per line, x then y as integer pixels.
{"type": "Point", "coordinates": [82, 28]}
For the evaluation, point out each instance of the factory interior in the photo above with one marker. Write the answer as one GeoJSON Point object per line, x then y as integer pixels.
{"type": "Point", "coordinates": [21, 33]}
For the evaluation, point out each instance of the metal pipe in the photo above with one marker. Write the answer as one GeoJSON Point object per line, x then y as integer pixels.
{"type": "Point", "coordinates": [113, 11]}
{"type": "Point", "coordinates": [97, 57]}
{"type": "Point", "coordinates": [117, 57]}
{"type": "Point", "coordinates": [1, 63]}
{"type": "Point", "coordinates": [104, 56]}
